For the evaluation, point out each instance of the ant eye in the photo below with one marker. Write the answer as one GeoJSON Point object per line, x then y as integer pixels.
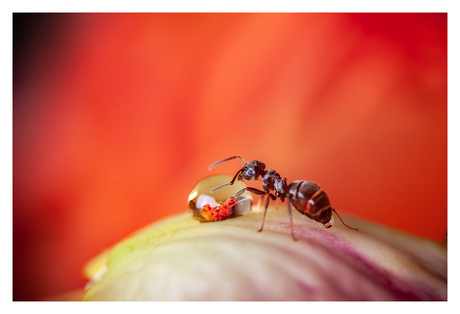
{"type": "Point", "coordinates": [251, 172]}
{"type": "Point", "coordinates": [206, 206]}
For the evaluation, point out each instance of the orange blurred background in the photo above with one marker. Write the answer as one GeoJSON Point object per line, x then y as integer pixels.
{"type": "Point", "coordinates": [117, 116]}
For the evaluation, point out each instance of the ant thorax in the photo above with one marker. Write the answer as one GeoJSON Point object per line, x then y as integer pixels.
{"type": "Point", "coordinates": [271, 180]}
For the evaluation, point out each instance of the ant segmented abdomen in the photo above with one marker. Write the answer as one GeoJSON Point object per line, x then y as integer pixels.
{"type": "Point", "coordinates": [309, 200]}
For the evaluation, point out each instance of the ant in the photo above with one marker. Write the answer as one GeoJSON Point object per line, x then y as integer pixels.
{"type": "Point", "coordinates": [305, 196]}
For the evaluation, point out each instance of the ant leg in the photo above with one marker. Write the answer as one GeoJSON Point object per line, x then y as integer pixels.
{"type": "Point", "coordinates": [260, 192]}
{"type": "Point", "coordinates": [239, 193]}
{"type": "Point", "coordinates": [261, 199]}
{"type": "Point", "coordinates": [270, 196]}
{"type": "Point", "coordinates": [342, 220]}
{"type": "Point", "coordinates": [290, 217]}
{"type": "Point", "coordinates": [234, 196]}
{"type": "Point", "coordinates": [265, 212]}
{"type": "Point", "coordinates": [252, 190]}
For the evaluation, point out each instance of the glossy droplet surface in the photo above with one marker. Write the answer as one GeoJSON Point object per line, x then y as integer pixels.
{"type": "Point", "coordinates": [329, 224]}
{"type": "Point", "coordinates": [206, 206]}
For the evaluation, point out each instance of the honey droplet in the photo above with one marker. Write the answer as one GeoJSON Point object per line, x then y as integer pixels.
{"type": "Point", "coordinates": [218, 205]}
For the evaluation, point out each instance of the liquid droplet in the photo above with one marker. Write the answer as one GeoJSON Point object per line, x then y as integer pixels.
{"type": "Point", "coordinates": [205, 205]}
{"type": "Point", "coordinates": [329, 224]}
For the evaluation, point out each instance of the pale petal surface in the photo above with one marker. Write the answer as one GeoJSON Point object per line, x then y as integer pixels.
{"type": "Point", "coordinates": [182, 259]}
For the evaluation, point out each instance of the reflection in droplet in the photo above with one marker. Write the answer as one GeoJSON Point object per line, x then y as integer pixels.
{"type": "Point", "coordinates": [218, 205]}
{"type": "Point", "coordinates": [329, 224]}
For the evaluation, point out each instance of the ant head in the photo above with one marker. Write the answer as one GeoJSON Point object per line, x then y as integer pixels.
{"type": "Point", "coordinates": [251, 171]}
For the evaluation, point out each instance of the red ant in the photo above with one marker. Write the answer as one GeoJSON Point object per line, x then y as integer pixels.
{"type": "Point", "coordinates": [305, 196]}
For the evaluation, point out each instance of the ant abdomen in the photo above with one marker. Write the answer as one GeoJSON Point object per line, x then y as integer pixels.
{"type": "Point", "coordinates": [309, 200]}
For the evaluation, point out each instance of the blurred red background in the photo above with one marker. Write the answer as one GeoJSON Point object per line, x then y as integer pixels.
{"type": "Point", "coordinates": [117, 116]}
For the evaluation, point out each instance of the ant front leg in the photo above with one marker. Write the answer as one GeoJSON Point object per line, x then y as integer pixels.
{"type": "Point", "coordinates": [262, 193]}
{"type": "Point", "coordinates": [260, 201]}
{"type": "Point", "coordinates": [270, 196]}
{"type": "Point", "coordinates": [252, 190]}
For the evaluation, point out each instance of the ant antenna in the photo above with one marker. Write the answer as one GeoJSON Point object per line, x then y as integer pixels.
{"type": "Point", "coordinates": [226, 159]}
{"type": "Point", "coordinates": [227, 184]}
{"type": "Point", "coordinates": [342, 220]}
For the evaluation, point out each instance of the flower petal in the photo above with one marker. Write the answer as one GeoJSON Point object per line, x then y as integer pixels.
{"type": "Point", "coordinates": [183, 259]}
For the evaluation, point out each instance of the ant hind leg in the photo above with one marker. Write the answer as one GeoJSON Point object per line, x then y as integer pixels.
{"type": "Point", "coordinates": [290, 218]}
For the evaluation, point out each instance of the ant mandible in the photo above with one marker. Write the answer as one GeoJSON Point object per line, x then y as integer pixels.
{"type": "Point", "coordinates": [305, 196]}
